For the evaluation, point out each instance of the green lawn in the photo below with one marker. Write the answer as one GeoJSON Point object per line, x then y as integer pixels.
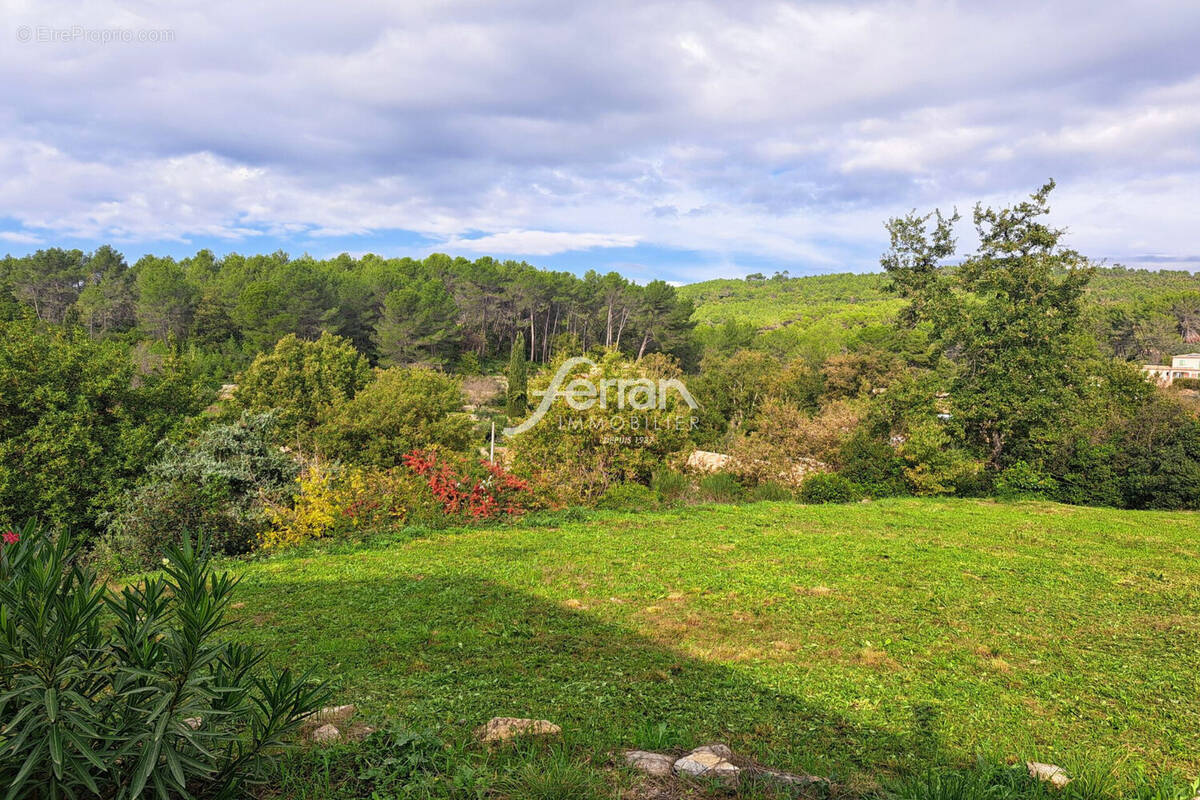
{"type": "Point", "coordinates": [844, 640]}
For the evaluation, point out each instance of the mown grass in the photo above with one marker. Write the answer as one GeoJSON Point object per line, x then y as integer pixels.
{"type": "Point", "coordinates": [864, 641]}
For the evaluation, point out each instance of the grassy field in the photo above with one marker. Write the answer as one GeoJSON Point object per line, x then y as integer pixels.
{"type": "Point", "coordinates": [852, 641]}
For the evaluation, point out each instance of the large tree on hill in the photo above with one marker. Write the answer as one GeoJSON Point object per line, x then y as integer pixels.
{"type": "Point", "coordinates": [1010, 317]}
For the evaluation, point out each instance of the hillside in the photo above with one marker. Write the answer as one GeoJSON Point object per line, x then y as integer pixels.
{"type": "Point", "coordinates": [832, 639]}
{"type": "Point", "coordinates": [823, 307]}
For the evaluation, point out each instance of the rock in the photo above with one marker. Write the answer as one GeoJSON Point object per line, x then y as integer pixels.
{"type": "Point", "coordinates": [717, 749]}
{"type": "Point", "coordinates": [706, 461]}
{"type": "Point", "coordinates": [335, 715]}
{"type": "Point", "coordinates": [655, 764]}
{"type": "Point", "coordinates": [326, 733]}
{"type": "Point", "coordinates": [706, 765]}
{"type": "Point", "coordinates": [790, 779]}
{"type": "Point", "coordinates": [194, 723]}
{"type": "Point", "coordinates": [502, 729]}
{"type": "Point", "coordinates": [1052, 774]}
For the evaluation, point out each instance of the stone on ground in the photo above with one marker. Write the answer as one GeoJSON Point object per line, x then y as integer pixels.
{"type": "Point", "coordinates": [503, 729]}
{"type": "Point", "coordinates": [716, 749]}
{"type": "Point", "coordinates": [335, 715]}
{"type": "Point", "coordinates": [1052, 774]}
{"type": "Point", "coordinates": [698, 764]}
{"type": "Point", "coordinates": [654, 764]}
{"type": "Point", "coordinates": [326, 733]}
{"type": "Point", "coordinates": [790, 779]}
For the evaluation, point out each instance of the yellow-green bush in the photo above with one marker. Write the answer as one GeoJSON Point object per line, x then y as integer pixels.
{"type": "Point", "coordinates": [336, 501]}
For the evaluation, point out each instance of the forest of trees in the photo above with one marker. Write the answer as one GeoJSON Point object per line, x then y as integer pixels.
{"type": "Point", "coordinates": [395, 311]}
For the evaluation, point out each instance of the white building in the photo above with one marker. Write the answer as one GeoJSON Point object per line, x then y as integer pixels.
{"type": "Point", "coordinates": [1184, 366]}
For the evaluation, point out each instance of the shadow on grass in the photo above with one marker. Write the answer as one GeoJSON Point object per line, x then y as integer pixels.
{"type": "Point", "coordinates": [438, 649]}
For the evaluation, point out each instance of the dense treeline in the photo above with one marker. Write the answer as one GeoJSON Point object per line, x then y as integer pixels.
{"type": "Point", "coordinates": [395, 311]}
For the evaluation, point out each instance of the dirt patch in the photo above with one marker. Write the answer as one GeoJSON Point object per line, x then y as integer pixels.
{"type": "Point", "coordinates": [482, 390]}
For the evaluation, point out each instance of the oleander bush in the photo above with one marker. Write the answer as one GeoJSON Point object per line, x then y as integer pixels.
{"type": "Point", "coordinates": [132, 693]}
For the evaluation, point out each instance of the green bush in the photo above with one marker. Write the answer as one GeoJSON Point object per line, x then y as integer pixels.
{"type": "Point", "coordinates": [872, 463]}
{"type": "Point", "coordinates": [403, 409]}
{"type": "Point", "coordinates": [720, 487]}
{"type": "Point", "coordinates": [220, 483]}
{"type": "Point", "coordinates": [1022, 479]}
{"type": "Point", "coordinates": [1186, 383]}
{"type": "Point", "coordinates": [670, 485]}
{"type": "Point", "coordinates": [628, 497]}
{"type": "Point", "coordinates": [132, 695]}
{"type": "Point", "coordinates": [829, 487]}
{"type": "Point", "coordinates": [770, 491]}
{"type": "Point", "coordinates": [79, 421]}
{"type": "Point", "coordinates": [301, 380]}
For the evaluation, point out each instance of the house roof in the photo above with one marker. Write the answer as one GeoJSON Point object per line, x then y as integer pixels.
{"type": "Point", "coordinates": [1187, 355]}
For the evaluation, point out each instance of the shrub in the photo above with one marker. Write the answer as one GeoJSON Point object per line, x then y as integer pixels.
{"type": "Point", "coordinates": [1023, 479]}
{"type": "Point", "coordinates": [332, 500]}
{"type": "Point", "coordinates": [933, 465]}
{"type": "Point", "coordinates": [720, 487]}
{"type": "Point", "coordinates": [582, 452]}
{"type": "Point", "coordinates": [474, 491]}
{"type": "Point", "coordinates": [132, 694]}
{"type": "Point", "coordinates": [872, 463]}
{"type": "Point", "coordinates": [628, 497]}
{"type": "Point", "coordinates": [220, 483]}
{"type": "Point", "coordinates": [1186, 383]}
{"type": "Point", "coordinates": [786, 440]}
{"type": "Point", "coordinates": [79, 421]}
{"type": "Point", "coordinates": [299, 380]}
{"type": "Point", "coordinates": [404, 408]}
{"type": "Point", "coordinates": [829, 487]}
{"type": "Point", "coordinates": [770, 491]}
{"type": "Point", "coordinates": [670, 484]}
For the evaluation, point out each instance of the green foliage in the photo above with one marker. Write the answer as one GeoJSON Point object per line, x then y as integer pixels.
{"type": "Point", "coordinates": [218, 484]}
{"type": "Point", "coordinates": [78, 421]}
{"type": "Point", "coordinates": [132, 694]}
{"type": "Point", "coordinates": [669, 484]}
{"type": "Point", "coordinates": [301, 380]}
{"type": "Point", "coordinates": [720, 487]}
{"type": "Point", "coordinates": [419, 324]}
{"type": "Point", "coordinates": [770, 491]}
{"type": "Point", "coordinates": [1010, 317]}
{"type": "Point", "coordinates": [933, 464]}
{"type": "Point", "coordinates": [1192, 384]}
{"type": "Point", "coordinates": [628, 497]}
{"type": "Point", "coordinates": [516, 397]}
{"type": "Point", "coordinates": [401, 410]}
{"type": "Point", "coordinates": [1022, 479]}
{"type": "Point", "coordinates": [581, 452]}
{"type": "Point", "coordinates": [872, 463]}
{"type": "Point", "coordinates": [829, 487]}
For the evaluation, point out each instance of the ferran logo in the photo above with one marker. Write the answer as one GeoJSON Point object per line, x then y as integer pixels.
{"type": "Point", "coordinates": [582, 394]}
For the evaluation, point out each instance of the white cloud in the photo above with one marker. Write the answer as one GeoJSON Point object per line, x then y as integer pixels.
{"type": "Point", "coordinates": [538, 243]}
{"type": "Point", "coordinates": [758, 130]}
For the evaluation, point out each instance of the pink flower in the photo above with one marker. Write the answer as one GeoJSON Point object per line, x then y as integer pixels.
{"type": "Point", "coordinates": [11, 537]}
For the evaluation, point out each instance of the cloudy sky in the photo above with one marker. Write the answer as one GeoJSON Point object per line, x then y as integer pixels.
{"type": "Point", "coordinates": [682, 140]}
